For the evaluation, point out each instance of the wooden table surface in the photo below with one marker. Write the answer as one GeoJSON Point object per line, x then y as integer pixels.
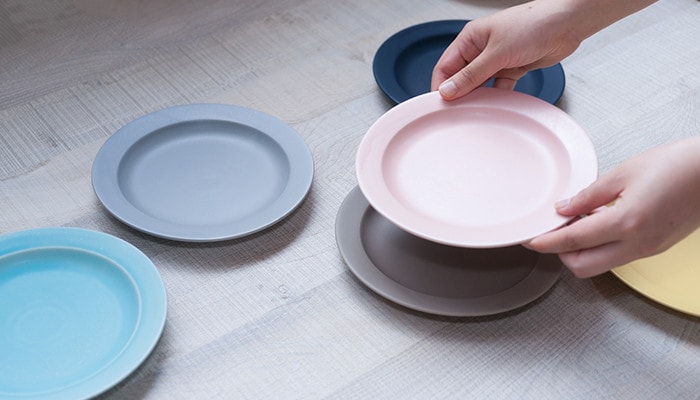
{"type": "Point", "coordinates": [278, 314]}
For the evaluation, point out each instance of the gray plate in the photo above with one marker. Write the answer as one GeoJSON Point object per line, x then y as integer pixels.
{"type": "Point", "coordinates": [203, 172]}
{"type": "Point", "coordinates": [435, 278]}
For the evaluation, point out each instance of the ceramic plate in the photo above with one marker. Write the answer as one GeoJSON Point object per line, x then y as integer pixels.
{"type": "Point", "coordinates": [671, 278]}
{"type": "Point", "coordinates": [435, 278]}
{"type": "Point", "coordinates": [481, 171]}
{"type": "Point", "coordinates": [203, 172]}
{"type": "Point", "coordinates": [403, 65]}
{"type": "Point", "coordinates": [81, 310]}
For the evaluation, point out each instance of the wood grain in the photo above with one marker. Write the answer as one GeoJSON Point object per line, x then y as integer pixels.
{"type": "Point", "coordinates": [278, 314]}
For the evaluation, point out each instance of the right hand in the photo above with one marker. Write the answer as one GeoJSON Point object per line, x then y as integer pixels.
{"type": "Point", "coordinates": [656, 197]}
{"type": "Point", "coordinates": [505, 45]}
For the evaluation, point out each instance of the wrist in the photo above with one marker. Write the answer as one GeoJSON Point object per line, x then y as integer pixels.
{"type": "Point", "coordinates": [583, 18]}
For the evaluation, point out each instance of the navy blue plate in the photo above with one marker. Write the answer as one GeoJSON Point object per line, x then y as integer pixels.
{"type": "Point", "coordinates": [403, 64]}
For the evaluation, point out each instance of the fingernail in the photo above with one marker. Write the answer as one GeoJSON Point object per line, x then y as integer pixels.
{"type": "Point", "coordinates": [448, 89]}
{"type": "Point", "coordinates": [562, 204]}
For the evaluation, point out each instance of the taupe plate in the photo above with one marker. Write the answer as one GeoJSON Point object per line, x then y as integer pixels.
{"type": "Point", "coordinates": [435, 278]}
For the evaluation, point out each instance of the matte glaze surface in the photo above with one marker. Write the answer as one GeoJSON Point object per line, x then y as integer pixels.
{"type": "Point", "coordinates": [203, 172]}
{"type": "Point", "coordinates": [278, 314]}
{"type": "Point", "coordinates": [482, 171]}
{"type": "Point", "coordinates": [435, 278]}
{"type": "Point", "coordinates": [80, 311]}
{"type": "Point", "coordinates": [671, 278]}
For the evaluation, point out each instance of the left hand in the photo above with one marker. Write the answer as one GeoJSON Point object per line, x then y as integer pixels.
{"type": "Point", "coordinates": [656, 204]}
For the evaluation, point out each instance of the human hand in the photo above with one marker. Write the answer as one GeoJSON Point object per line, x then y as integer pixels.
{"type": "Point", "coordinates": [505, 45]}
{"type": "Point", "coordinates": [656, 204]}
{"type": "Point", "coordinates": [508, 44]}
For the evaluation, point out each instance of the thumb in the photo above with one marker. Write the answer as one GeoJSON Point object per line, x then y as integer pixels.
{"type": "Point", "coordinates": [470, 77]}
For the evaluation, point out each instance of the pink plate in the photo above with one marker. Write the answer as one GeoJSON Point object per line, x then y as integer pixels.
{"type": "Point", "coordinates": [482, 171]}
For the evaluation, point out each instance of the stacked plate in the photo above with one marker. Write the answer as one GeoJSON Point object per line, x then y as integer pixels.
{"type": "Point", "coordinates": [441, 199]}
{"type": "Point", "coordinates": [81, 309]}
{"type": "Point", "coordinates": [449, 190]}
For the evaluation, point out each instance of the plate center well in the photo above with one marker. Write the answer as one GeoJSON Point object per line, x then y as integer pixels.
{"type": "Point", "coordinates": [64, 314]}
{"type": "Point", "coordinates": [492, 168]}
{"type": "Point", "coordinates": [203, 172]}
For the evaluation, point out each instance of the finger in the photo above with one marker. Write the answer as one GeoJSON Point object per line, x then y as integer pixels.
{"type": "Point", "coordinates": [600, 193]}
{"type": "Point", "coordinates": [449, 63]}
{"type": "Point", "coordinates": [455, 57]}
{"type": "Point", "coordinates": [470, 77]}
{"type": "Point", "coordinates": [597, 260]}
{"type": "Point", "coordinates": [508, 78]}
{"type": "Point", "coordinates": [589, 232]}
{"type": "Point", "coordinates": [505, 83]}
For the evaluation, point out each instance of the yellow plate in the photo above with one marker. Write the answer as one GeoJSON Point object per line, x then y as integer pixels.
{"type": "Point", "coordinates": [671, 278]}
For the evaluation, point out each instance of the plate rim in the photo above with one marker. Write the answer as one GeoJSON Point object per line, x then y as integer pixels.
{"type": "Point", "coordinates": [631, 276]}
{"type": "Point", "coordinates": [151, 293]}
{"type": "Point", "coordinates": [369, 158]}
{"type": "Point", "coordinates": [384, 61]}
{"type": "Point", "coordinates": [107, 160]}
{"type": "Point", "coordinates": [347, 230]}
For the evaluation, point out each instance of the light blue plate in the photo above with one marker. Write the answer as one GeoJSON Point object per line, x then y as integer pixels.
{"type": "Point", "coordinates": [203, 172]}
{"type": "Point", "coordinates": [79, 311]}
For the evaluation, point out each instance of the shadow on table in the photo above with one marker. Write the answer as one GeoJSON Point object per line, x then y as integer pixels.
{"type": "Point", "coordinates": [138, 383]}
{"type": "Point", "coordinates": [571, 308]}
{"type": "Point", "coordinates": [439, 318]}
{"type": "Point", "coordinates": [217, 255]}
{"type": "Point", "coordinates": [637, 305]}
